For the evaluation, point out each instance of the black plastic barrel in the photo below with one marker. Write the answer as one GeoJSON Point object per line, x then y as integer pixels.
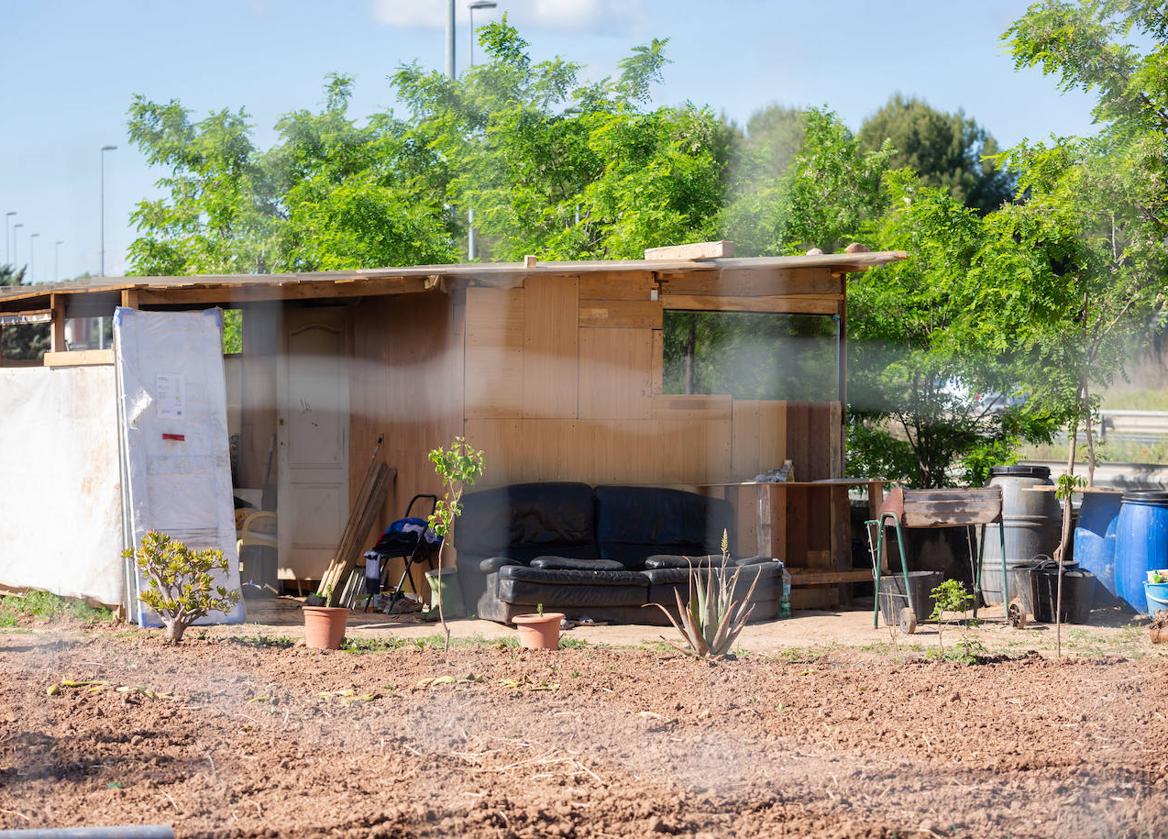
{"type": "Point", "coordinates": [1078, 592]}
{"type": "Point", "coordinates": [892, 594]}
{"type": "Point", "coordinates": [1032, 521]}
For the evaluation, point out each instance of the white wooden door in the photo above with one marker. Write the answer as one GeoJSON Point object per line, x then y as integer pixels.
{"type": "Point", "coordinates": [313, 440]}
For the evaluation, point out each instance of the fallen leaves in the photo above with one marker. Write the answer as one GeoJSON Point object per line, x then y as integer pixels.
{"type": "Point", "coordinates": [438, 681]}
{"type": "Point", "coordinates": [347, 696]}
{"type": "Point", "coordinates": [129, 692]}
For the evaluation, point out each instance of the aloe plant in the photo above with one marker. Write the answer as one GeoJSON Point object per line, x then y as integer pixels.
{"type": "Point", "coordinates": [712, 620]}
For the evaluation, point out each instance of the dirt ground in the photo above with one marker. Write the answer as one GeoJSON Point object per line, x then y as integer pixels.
{"type": "Point", "coordinates": [253, 736]}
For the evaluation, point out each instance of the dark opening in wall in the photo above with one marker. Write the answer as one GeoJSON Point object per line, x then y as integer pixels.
{"type": "Point", "coordinates": [752, 355]}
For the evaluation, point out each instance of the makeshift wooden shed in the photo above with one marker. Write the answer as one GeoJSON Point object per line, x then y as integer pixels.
{"type": "Point", "coordinates": [555, 369]}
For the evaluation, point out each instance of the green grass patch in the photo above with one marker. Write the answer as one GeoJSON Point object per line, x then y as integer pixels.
{"type": "Point", "coordinates": [364, 646]}
{"type": "Point", "coordinates": [566, 643]}
{"type": "Point", "coordinates": [16, 609]}
{"type": "Point", "coordinates": [279, 642]}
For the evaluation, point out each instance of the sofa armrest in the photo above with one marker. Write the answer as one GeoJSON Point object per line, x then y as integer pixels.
{"type": "Point", "coordinates": [492, 564]}
{"type": "Point", "coordinates": [560, 563]}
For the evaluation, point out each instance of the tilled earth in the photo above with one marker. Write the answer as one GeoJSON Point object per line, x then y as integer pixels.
{"type": "Point", "coordinates": [239, 737]}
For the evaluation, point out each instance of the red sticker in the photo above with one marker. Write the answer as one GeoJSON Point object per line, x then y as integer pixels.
{"type": "Point", "coordinates": [180, 437]}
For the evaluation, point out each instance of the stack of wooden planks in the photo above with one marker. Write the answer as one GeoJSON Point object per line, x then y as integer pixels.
{"type": "Point", "coordinates": [374, 490]}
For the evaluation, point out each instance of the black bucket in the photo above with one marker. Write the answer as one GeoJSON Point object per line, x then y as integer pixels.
{"type": "Point", "coordinates": [1078, 593]}
{"type": "Point", "coordinates": [892, 594]}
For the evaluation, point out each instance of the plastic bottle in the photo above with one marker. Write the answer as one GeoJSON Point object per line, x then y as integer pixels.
{"type": "Point", "coordinates": [785, 603]}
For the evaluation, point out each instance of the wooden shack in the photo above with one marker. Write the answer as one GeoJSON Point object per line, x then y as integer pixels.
{"type": "Point", "coordinates": [555, 369]}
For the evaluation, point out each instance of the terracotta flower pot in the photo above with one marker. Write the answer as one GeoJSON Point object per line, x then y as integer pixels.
{"type": "Point", "coordinates": [539, 632]}
{"type": "Point", "coordinates": [324, 627]}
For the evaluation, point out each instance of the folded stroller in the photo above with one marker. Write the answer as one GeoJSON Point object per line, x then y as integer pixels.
{"type": "Point", "coordinates": [409, 538]}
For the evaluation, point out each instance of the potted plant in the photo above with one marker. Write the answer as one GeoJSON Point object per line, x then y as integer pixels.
{"type": "Point", "coordinates": [540, 631]}
{"type": "Point", "coordinates": [324, 626]}
{"type": "Point", "coordinates": [1156, 593]}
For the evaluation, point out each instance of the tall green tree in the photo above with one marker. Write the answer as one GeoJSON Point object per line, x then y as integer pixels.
{"type": "Point", "coordinates": [947, 150]}
{"type": "Point", "coordinates": [1096, 214]}
{"type": "Point", "coordinates": [550, 166]}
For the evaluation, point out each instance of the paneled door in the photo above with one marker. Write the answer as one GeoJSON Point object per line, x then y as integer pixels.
{"type": "Point", "coordinates": [313, 439]}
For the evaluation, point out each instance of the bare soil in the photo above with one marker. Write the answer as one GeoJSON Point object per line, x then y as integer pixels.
{"type": "Point", "coordinates": [242, 737]}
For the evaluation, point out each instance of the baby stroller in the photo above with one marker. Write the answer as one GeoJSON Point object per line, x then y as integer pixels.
{"type": "Point", "coordinates": [409, 538]}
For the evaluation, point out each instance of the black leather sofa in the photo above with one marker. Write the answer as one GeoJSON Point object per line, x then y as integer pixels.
{"type": "Point", "coordinates": [601, 553]}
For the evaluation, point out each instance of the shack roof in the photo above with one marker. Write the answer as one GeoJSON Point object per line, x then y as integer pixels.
{"type": "Point", "coordinates": [316, 284]}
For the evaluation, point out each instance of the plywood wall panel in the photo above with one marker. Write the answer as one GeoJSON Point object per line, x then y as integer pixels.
{"type": "Point", "coordinates": [623, 285]}
{"type": "Point", "coordinates": [615, 373]}
{"type": "Point", "coordinates": [495, 334]}
{"type": "Point", "coordinates": [550, 330]}
{"type": "Point", "coordinates": [754, 282]}
{"type": "Point", "coordinates": [621, 314]}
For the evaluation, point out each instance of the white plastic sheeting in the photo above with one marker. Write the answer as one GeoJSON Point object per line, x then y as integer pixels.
{"type": "Point", "coordinates": [173, 407]}
{"type": "Point", "coordinates": [61, 514]}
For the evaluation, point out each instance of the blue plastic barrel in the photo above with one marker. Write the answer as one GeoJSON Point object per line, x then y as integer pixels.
{"type": "Point", "coordinates": [1094, 547]}
{"type": "Point", "coordinates": [1141, 544]}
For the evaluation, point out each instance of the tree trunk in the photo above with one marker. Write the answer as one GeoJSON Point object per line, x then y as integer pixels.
{"type": "Point", "coordinates": [1060, 553]}
{"type": "Point", "coordinates": [174, 631]}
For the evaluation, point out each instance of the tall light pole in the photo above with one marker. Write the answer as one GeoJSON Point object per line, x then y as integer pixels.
{"type": "Point", "coordinates": [32, 237]}
{"type": "Point", "coordinates": [15, 249]}
{"type": "Point", "coordinates": [104, 149]}
{"type": "Point", "coordinates": [450, 40]}
{"type": "Point", "coordinates": [57, 260]}
{"type": "Point", "coordinates": [482, 5]}
{"type": "Point", "coordinates": [7, 247]}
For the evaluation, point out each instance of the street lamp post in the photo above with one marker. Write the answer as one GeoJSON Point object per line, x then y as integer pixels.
{"type": "Point", "coordinates": [104, 149]}
{"type": "Point", "coordinates": [15, 243]}
{"type": "Point", "coordinates": [471, 245]}
{"type": "Point", "coordinates": [57, 260]}
{"type": "Point", "coordinates": [478, 5]}
{"type": "Point", "coordinates": [32, 237]}
{"type": "Point", "coordinates": [7, 248]}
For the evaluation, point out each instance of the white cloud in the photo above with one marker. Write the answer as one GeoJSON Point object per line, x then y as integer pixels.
{"type": "Point", "coordinates": [609, 16]}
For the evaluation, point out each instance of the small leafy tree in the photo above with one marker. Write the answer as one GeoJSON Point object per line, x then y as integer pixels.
{"type": "Point", "coordinates": [458, 467]}
{"type": "Point", "coordinates": [950, 596]}
{"type": "Point", "coordinates": [182, 588]}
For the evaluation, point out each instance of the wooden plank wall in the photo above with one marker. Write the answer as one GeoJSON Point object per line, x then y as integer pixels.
{"type": "Point", "coordinates": [564, 375]}
{"type": "Point", "coordinates": [406, 383]}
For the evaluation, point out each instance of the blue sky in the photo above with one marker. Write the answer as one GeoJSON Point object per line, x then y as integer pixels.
{"type": "Point", "coordinates": [68, 69]}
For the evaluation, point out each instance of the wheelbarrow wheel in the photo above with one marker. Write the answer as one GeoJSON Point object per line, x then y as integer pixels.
{"type": "Point", "coordinates": [1016, 614]}
{"type": "Point", "coordinates": [907, 620]}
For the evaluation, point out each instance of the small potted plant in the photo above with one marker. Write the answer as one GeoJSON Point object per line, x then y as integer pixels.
{"type": "Point", "coordinates": [540, 631]}
{"type": "Point", "coordinates": [324, 625]}
{"type": "Point", "coordinates": [1156, 593]}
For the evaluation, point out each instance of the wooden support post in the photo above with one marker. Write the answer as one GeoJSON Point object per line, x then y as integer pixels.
{"type": "Point", "coordinates": [57, 335]}
{"type": "Point", "coordinates": [129, 298]}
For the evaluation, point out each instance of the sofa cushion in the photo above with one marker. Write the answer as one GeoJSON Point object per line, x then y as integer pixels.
{"type": "Point", "coordinates": [556, 588]}
{"type": "Point", "coordinates": [683, 562]}
{"type": "Point", "coordinates": [565, 564]}
{"type": "Point", "coordinates": [634, 523]}
{"type": "Point", "coordinates": [525, 521]}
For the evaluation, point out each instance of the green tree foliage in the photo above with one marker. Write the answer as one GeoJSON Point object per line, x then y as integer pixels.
{"type": "Point", "coordinates": [1088, 247]}
{"type": "Point", "coordinates": [929, 372]}
{"type": "Point", "coordinates": [828, 195]}
{"type": "Point", "coordinates": [550, 165]}
{"type": "Point", "coordinates": [949, 151]}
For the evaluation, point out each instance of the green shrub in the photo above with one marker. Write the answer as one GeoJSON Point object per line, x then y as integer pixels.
{"type": "Point", "coordinates": [182, 589]}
